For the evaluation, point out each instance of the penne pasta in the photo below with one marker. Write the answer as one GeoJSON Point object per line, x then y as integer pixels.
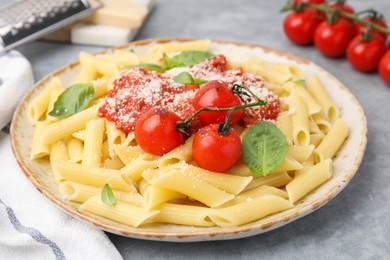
{"type": "Point", "coordinates": [39, 105]}
{"type": "Point", "coordinates": [318, 92]}
{"type": "Point", "coordinates": [309, 180]}
{"type": "Point", "coordinates": [122, 212]}
{"type": "Point", "coordinates": [332, 141]}
{"type": "Point", "coordinates": [249, 211]}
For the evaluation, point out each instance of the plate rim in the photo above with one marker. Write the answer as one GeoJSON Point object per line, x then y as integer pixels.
{"type": "Point", "coordinates": [216, 234]}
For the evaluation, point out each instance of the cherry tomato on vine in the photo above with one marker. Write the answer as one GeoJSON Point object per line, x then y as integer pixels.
{"type": "Point", "coordinates": [364, 55]}
{"type": "Point", "coordinates": [384, 67]}
{"type": "Point", "coordinates": [155, 131]}
{"type": "Point", "coordinates": [300, 26]}
{"type": "Point", "coordinates": [216, 93]}
{"type": "Point", "coordinates": [360, 28]}
{"type": "Point", "coordinates": [332, 39]}
{"type": "Point", "coordinates": [214, 151]}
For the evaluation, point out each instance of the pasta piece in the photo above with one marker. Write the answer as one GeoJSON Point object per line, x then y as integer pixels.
{"type": "Point", "coordinates": [276, 73]}
{"type": "Point", "coordinates": [69, 125]}
{"type": "Point", "coordinates": [299, 120]}
{"type": "Point", "coordinates": [314, 128]}
{"type": "Point", "coordinates": [184, 215]}
{"type": "Point", "coordinates": [249, 211]}
{"type": "Point", "coordinates": [113, 163]}
{"type": "Point", "coordinates": [39, 148]}
{"type": "Point", "coordinates": [133, 170]}
{"type": "Point", "coordinates": [105, 153]}
{"type": "Point", "coordinates": [300, 153]}
{"type": "Point", "coordinates": [322, 122]}
{"type": "Point", "coordinates": [289, 164]}
{"type": "Point", "coordinates": [250, 195]}
{"type": "Point", "coordinates": [130, 140]}
{"type": "Point", "coordinates": [80, 193]}
{"type": "Point", "coordinates": [275, 180]}
{"type": "Point", "coordinates": [122, 212]}
{"type": "Point", "coordinates": [79, 135]}
{"type": "Point", "coordinates": [92, 154]}
{"type": "Point", "coordinates": [316, 139]}
{"type": "Point", "coordinates": [88, 70]}
{"type": "Point", "coordinates": [55, 93]}
{"type": "Point", "coordinates": [58, 153]}
{"type": "Point", "coordinates": [106, 68]}
{"type": "Point", "coordinates": [93, 176]}
{"type": "Point", "coordinates": [38, 106]}
{"type": "Point", "coordinates": [100, 87]}
{"type": "Point", "coordinates": [332, 141]}
{"type": "Point", "coordinates": [317, 90]}
{"type": "Point", "coordinates": [142, 186]}
{"type": "Point", "coordinates": [128, 153]}
{"type": "Point", "coordinates": [198, 45]}
{"type": "Point", "coordinates": [192, 187]}
{"type": "Point", "coordinates": [75, 149]}
{"type": "Point", "coordinates": [229, 183]}
{"type": "Point", "coordinates": [155, 196]}
{"type": "Point", "coordinates": [309, 180]}
{"type": "Point", "coordinates": [285, 125]}
{"type": "Point", "coordinates": [311, 104]}
{"type": "Point", "coordinates": [180, 153]}
{"type": "Point", "coordinates": [114, 136]}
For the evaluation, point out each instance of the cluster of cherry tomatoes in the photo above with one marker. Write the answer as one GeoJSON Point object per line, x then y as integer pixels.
{"type": "Point", "coordinates": [336, 30]}
{"type": "Point", "coordinates": [156, 131]}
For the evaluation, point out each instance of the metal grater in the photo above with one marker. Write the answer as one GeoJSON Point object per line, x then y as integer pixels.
{"type": "Point", "coordinates": [22, 21]}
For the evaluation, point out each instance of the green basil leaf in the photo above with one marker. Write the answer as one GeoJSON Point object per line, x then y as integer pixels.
{"type": "Point", "coordinates": [148, 66]}
{"type": "Point", "coordinates": [184, 78]}
{"type": "Point", "coordinates": [199, 81]}
{"type": "Point", "coordinates": [186, 59]}
{"type": "Point", "coordinates": [108, 196]}
{"type": "Point", "coordinates": [300, 81]}
{"type": "Point", "coordinates": [73, 100]}
{"type": "Point", "coordinates": [264, 148]}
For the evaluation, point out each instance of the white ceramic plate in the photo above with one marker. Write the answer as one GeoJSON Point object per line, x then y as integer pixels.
{"type": "Point", "coordinates": [346, 162]}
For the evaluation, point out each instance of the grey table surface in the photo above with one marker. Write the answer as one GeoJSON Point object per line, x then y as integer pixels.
{"type": "Point", "coordinates": [355, 224]}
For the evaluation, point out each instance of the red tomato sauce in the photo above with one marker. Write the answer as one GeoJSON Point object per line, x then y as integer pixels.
{"type": "Point", "coordinates": [137, 90]}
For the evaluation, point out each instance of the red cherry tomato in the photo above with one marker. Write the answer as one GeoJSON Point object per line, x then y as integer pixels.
{"type": "Point", "coordinates": [332, 39]}
{"type": "Point", "coordinates": [384, 67]}
{"type": "Point", "coordinates": [365, 55]}
{"type": "Point", "coordinates": [360, 28]}
{"type": "Point", "coordinates": [216, 93]}
{"type": "Point", "coordinates": [300, 26]}
{"type": "Point", "coordinates": [155, 131]}
{"type": "Point", "coordinates": [214, 151]}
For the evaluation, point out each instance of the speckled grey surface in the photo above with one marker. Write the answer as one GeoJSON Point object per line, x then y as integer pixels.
{"type": "Point", "coordinates": [355, 224]}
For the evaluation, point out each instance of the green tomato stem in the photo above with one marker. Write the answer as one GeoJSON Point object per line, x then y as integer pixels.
{"type": "Point", "coordinates": [226, 125]}
{"type": "Point", "coordinates": [354, 17]}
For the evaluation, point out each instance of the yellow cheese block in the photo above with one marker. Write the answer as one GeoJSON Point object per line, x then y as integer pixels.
{"type": "Point", "coordinates": [121, 13]}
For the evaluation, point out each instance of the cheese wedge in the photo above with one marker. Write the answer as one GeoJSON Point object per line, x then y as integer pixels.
{"type": "Point", "coordinates": [121, 13]}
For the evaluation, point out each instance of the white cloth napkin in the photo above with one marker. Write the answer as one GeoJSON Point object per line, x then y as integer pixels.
{"type": "Point", "coordinates": [31, 227]}
{"type": "Point", "coordinates": [15, 79]}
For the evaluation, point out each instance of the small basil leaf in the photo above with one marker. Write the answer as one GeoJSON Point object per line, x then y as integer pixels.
{"type": "Point", "coordinates": [184, 78]}
{"type": "Point", "coordinates": [199, 81]}
{"type": "Point", "coordinates": [186, 59]}
{"type": "Point", "coordinates": [73, 100]}
{"type": "Point", "coordinates": [264, 148]}
{"type": "Point", "coordinates": [148, 66]}
{"type": "Point", "coordinates": [108, 196]}
{"type": "Point", "coordinates": [300, 81]}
